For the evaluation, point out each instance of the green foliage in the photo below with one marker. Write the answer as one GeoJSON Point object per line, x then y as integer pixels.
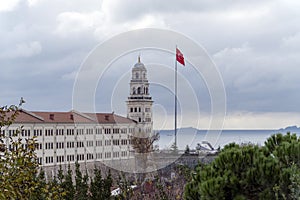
{"type": "Point", "coordinates": [97, 185]}
{"type": "Point", "coordinates": [81, 185]}
{"type": "Point", "coordinates": [67, 185]}
{"type": "Point", "coordinates": [250, 172]}
{"type": "Point", "coordinates": [100, 187]}
{"type": "Point", "coordinates": [18, 166]}
{"type": "Point", "coordinates": [107, 185]}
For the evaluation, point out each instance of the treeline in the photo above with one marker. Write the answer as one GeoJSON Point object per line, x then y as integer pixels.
{"type": "Point", "coordinates": [251, 172]}
{"type": "Point", "coordinates": [83, 187]}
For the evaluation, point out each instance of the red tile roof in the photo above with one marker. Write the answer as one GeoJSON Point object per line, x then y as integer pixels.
{"type": "Point", "coordinates": [69, 117]}
{"type": "Point", "coordinates": [109, 118]}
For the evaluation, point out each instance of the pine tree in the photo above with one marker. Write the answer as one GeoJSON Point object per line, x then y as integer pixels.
{"type": "Point", "coordinates": [81, 187]}
{"type": "Point", "coordinates": [68, 185]}
{"type": "Point", "coordinates": [250, 172]}
{"type": "Point", "coordinates": [107, 184]}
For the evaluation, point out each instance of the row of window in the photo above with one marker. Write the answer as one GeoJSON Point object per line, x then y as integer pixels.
{"type": "Point", "coordinates": [140, 90]}
{"type": "Point", "coordinates": [50, 132]}
{"type": "Point", "coordinates": [80, 144]}
{"type": "Point", "coordinates": [24, 132]}
{"type": "Point", "coordinates": [138, 109]}
{"type": "Point", "coordinates": [80, 157]}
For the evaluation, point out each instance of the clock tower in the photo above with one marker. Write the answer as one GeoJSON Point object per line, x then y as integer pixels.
{"type": "Point", "coordinates": [139, 103]}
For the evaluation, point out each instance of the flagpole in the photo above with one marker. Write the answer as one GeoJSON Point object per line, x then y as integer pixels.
{"type": "Point", "coordinates": [175, 99]}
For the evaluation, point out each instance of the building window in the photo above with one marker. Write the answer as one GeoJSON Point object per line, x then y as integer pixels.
{"type": "Point", "coordinates": [107, 131]}
{"type": "Point", "coordinates": [131, 130]}
{"type": "Point", "coordinates": [116, 142]}
{"type": "Point", "coordinates": [116, 154]}
{"type": "Point", "coordinates": [131, 109]}
{"type": "Point", "coordinates": [98, 142]}
{"type": "Point", "coordinates": [124, 130]}
{"type": "Point", "coordinates": [98, 131]}
{"type": "Point", "coordinates": [79, 131]}
{"type": "Point", "coordinates": [90, 156]}
{"type": "Point", "coordinates": [107, 142]}
{"type": "Point", "coordinates": [140, 119]}
{"type": "Point", "coordinates": [89, 143]}
{"type": "Point", "coordinates": [116, 130]}
{"type": "Point", "coordinates": [99, 155]}
{"type": "Point", "coordinates": [89, 131]}
{"type": "Point", "coordinates": [107, 154]}
{"type": "Point", "coordinates": [139, 90]}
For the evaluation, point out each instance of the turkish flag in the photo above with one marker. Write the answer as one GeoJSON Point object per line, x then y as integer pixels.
{"type": "Point", "coordinates": [179, 57]}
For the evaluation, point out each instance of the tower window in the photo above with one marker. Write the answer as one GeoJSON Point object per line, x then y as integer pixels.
{"type": "Point", "coordinates": [135, 109]}
{"type": "Point", "coordinates": [131, 109]}
{"type": "Point", "coordinates": [136, 75]}
{"type": "Point", "coordinates": [146, 90]}
{"type": "Point", "coordinates": [133, 90]}
{"type": "Point", "coordinates": [139, 90]}
{"type": "Point", "coordinates": [140, 119]}
{"type": "Point", "coordinates": [139, 109]}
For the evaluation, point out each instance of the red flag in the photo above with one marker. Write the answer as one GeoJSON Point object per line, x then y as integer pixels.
{"type": "Point", "coordinates": [179, 57]}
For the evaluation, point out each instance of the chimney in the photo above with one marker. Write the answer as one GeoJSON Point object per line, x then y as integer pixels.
{"type": "Point", "coordinates": [71, 117]}
{"type": "Point", "coordinates": [51, 116]}
{"type": "Point", "coordinates": [107, 117]}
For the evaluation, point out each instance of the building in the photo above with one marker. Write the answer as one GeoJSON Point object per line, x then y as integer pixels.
{"type": "Point", "coordinates": [139, 103]}
{"type": "Point", "coordinates": [66, 137]}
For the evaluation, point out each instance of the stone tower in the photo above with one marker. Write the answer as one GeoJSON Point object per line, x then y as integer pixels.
{"type": "Point", "coordinates": [139, 103]}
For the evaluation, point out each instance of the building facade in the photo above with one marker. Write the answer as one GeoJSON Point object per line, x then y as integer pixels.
{"type": "Point", "coordinates": [66, 137]}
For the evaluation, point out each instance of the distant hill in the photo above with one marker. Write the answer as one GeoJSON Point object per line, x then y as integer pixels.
{"type": "Point", "coordinates": [186, 130]}
{"type": "Point", "coordinates": [292, 129]}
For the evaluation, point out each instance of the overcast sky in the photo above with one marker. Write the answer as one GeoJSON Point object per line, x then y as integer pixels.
{"type": "Point", "coordinates": [254, 44]}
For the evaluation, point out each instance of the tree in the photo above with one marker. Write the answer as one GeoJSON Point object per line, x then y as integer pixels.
{"type": "Point", "coordinates": [248, 172]}
{"type": "Point", "coordinates": [107, 184]}
{"type": "Point", "coordinates": [142, 143]}
{"type": "Point", "coordinates": [96, 185]}
{"type": "Point", "coordinates": [81, 186]}
{"type": "Point", "coordinates": [18, 164]}
{"type": "Point", "coordinates": [68, 186]}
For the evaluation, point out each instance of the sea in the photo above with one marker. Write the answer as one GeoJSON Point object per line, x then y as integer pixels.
{"type": "Point", "coordinates": [217, 138]}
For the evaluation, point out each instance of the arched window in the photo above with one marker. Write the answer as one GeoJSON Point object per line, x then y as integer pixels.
{"type": "Point", "coordinates": [137, 75]}
{"type": "Point", "coordinates": [139, 90]}
{"type": "Point", "coordinates": [133, 90]}
{"type": "Point", "coordinates": [146, 90]}
{"type": "Point", "coordinates": [144, 75]}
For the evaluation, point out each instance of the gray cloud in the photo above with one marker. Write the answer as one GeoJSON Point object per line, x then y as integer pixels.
{"type": "Point", "coordinates": [255, 44]}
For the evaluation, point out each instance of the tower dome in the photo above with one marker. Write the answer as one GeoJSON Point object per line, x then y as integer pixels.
{"type": "Point", "coordinates": [139, 65]}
